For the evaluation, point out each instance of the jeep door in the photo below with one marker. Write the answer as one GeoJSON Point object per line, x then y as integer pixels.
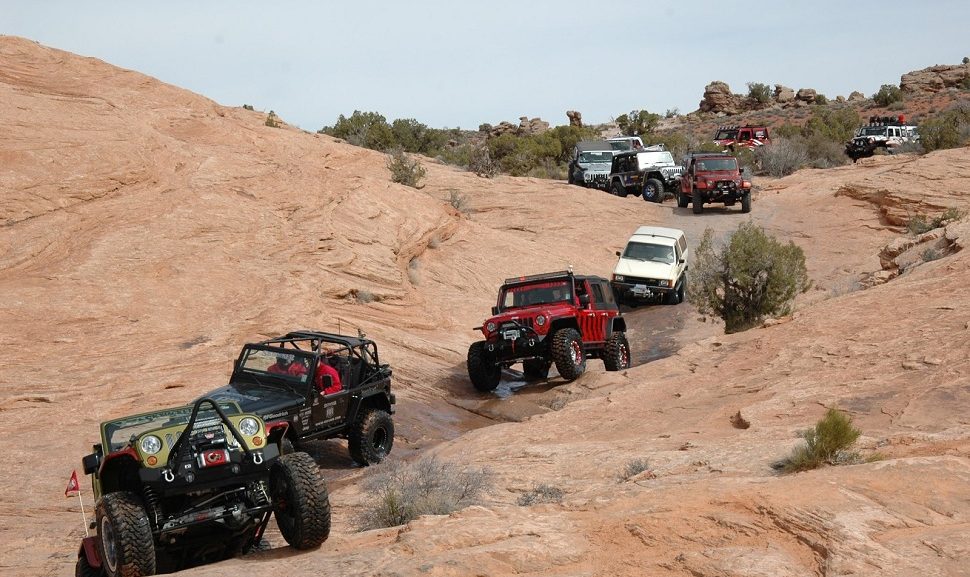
{"type": "Point", "coordinates": [593, 317]}
{"type": "Point", "coordinates": [328, 411]}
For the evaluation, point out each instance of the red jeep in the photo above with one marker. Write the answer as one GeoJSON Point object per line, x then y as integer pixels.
{"type": "Point", "coordinates": [747, 136]}
{"type": "Point", "coordinates": [713, 177]}
{"type": "Point", "coordinates": [549, 318]}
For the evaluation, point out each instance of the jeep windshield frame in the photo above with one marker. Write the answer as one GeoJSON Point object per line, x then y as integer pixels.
{"type": "Point", "coordinates": [729, 164]}
{"type": "Point", "coordinates": [117, 433]}
{"type": "Point", "coordinates": [596, 156]}
{"type": "Point", "coordinates": [536, 293]}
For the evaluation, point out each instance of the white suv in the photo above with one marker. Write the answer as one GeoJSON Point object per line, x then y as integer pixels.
{"type": "Point", "coordinates": [652, 266]}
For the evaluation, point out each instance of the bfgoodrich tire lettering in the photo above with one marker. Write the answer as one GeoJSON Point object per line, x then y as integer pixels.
{"type": "Point", "coordinates": [568, 353]}
{"type": "Point", "coordinates": [301, 502]}
{"type": "Point", "coordinates": [371, 437]}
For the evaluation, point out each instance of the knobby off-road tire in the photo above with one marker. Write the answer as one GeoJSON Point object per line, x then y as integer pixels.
{"type": "Point", "coordinates": [697, 202]}
{"type": "Point", "coordinates": [287, 446]}
{"type": "Point", "coordinates": [618, 189]}
{"type": "Point", "coordinates": [568, 353]}
{"type": "Point", "coordinates": [682, 200]}
{"type": "Point", "coordinates": [617, 352]}
{"type": "Point", "coordinates": [536, 369]}
{"type": "Point", "coordinates": [84, 569]}
{"type": "Point", "coordinates": [653, 190]}
{"type": "Point", "coordinates": [371, 437]}
{"type": "Point", "coordinates": [301, 503]}
{"type": "Point", "coordinates": [125, 540]}
{"type": "Point", "coordinates": [746, 202]}
{"type": "Point", "coordinates": [484, 375]}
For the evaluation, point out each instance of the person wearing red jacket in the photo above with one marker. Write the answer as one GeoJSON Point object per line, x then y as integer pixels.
{"type": "Point", "coordinates": [285, 365]}
{"type": "Point", "coordinates": [324, 368]}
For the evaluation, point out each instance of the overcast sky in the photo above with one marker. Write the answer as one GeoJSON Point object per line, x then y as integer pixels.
{"type": "Point", "coordinates": [454, 63]}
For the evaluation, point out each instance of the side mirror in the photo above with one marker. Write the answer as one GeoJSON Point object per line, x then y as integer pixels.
{"type": "Point", "coordinates": [682, 261]}
{"type": "Point", "coordinates": [584, 300]}
{"type": "Point", "coordinates": [494, 311]}
{"type": "Point", "coordinates": [617, 253]}
{"type": "Point", "coordinates": [91, 463]}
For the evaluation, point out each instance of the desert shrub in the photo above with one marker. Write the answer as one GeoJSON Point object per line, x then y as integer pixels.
{"type": "Point", "coordinates": [518, 155]}
{"type": "Point", "coordinates": [887, 94]}
{"type": "Point", "coordinates": [568, 136]}
{"type": "Point", "coordinates": [896, 106]}
{"type": "Point", "coordinates": [405, 170]}
{"type": "Point", "coordinates": [272, 120]}
{"type": "Point", "coordinates": [638, 122]}
{"type": "Point", "coordinates": [367, 129]}
{"type": "Point", "coordinates": [783, 157]}
{"type": "Point", "coordinates": [787, 130]}
{"type": "Point", "coordinates": [480, 162]}
{"type": "Point", "coordinates": [949, 215]}
{"type": "Point", "coordinates": [541, 493]}
{"type": "Point", "coordinates": [822, 152]}
{"type": "Point", "coordinates": [364, 296]}
{"type": "Point", "coordinates": [827, 443]}
{"type": "Point", "coordinates": [758, 92]}
{"type": "Point", "coordinates": [458, 200]}
{"type": "Point", "coordinates": [966, 60]}
{"type": "Point", "coordinates": [672, 112]}
{"type": "Point", "coordinates": [835, 124]}
{"type": "Point", "coordinates": [414, 271]}
{"type": "Point", "coordinates": [634, 468]}
{"type": "Point", "coordinates": [754, 276]}
{"type": "Point", "coordinates": [821, 99]}
{"type": "Point", "coordinates": [459, 155]}
{"type": "Point", "coordinates": [676, 142]}
{"type": "Point", "coordinates": [248, 107]}
{"type": "Point", "coordinates": [930, 254]}
{"type": "Point", "coordinates": [400, 493]}
{"type": "Point", "coordinates": [918, 224]}
{"type": "Point", "coordinates": [412, 136]}
{"type": "Point", "coordinates": [949, 129]}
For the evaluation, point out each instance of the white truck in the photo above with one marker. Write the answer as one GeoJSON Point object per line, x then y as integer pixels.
{"type": "Point", "coordinates": [882, 132]}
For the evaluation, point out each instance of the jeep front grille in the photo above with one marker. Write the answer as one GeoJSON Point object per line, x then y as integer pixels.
{"type": "Point", "coordinates": [640, 280]}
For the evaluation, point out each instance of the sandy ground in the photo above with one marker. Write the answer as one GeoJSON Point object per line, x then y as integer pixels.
{"type": "Point", "coordinates": [147, 232]}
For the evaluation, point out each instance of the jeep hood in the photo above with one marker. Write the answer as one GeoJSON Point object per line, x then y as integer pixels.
{"type": "Point", "coordinates": [644, 268]}
{"type": "Point", "coordinates": [595, 166]}
{"type": "Point", "coordinates": [258, 399]}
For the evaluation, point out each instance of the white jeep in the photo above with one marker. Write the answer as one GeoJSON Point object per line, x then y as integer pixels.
{"type": "Point", "coordinates": [652, 266]}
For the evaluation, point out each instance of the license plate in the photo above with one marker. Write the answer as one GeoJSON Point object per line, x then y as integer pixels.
{"type": "Point", "coordinates": [640, 288]}
{"type": "Point", "coordinates": [510, 335]}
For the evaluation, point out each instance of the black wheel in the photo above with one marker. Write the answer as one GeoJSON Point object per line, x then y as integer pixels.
{"type": "Point", "coordinates": [618, 189]}
{"type": "Point", "coordinates": [84, 569]}
{"type": "Point", "coordinates": [484, 374]}
{"type": "Point", "coordinates": [682, 200]}
{"type": "Point", "coordinates": [653, 190]}
{"type": "Point", "coordinates": [697, 200]}
{"type": "Point", "coordinates": [569, 176]}
{"type": "Point", "coordinates": [371, 437]}
{"type": "Point", "coordinates": [746, 202]}
{"type": "Point", "coordinates": [301, 503]}
{"type": "Point", "coordinates": [617, 352]}
{"type": "Point", "coordinates": [676, 296]}
{"type": "Point", "coordinates": [536, 369]}
{"type": "Point", "coordinates": [124, 536]}
{"type": "Point", "coordinates": [568, 353]}
{"type": "Point", "coordinates": [682, 290]}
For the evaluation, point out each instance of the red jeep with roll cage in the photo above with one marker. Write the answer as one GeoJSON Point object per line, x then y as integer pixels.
{"type": "Point", "coordinates": [542, 319]}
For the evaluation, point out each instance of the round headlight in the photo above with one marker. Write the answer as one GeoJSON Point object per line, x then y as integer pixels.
{"type": "Point", "coordinates": [490, 327]}
{"type": "Point", "coordinates": [540, 320]}
{"type": "Point", "coordinates": [150, 444]}
{"type": "Point", "coordinates": [249, 426]}
{"type": "Point", "coordinates": [618, 277]}
{"type": "Point", "coordinates": [665, 283]}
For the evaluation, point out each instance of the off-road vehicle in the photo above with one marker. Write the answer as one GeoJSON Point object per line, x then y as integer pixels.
{"type": "Point", "coordinates": [652, 266]}
{"type": "Point", "coordinates": [294, 405]}
{"type": "Point", "coordinates": [542, 319]}
{"type": "Point", "coordinates": [748, 136]}
{"type": "Point", "coordinates": [882, 132]}
{"type": "Point", "coordinates": [590, 164]}
{"type": "Point", "coordinates": [650, 172]}
{"type": "Point", "coordinates": [713, 177]}
{"type": "Point", "coordinates": [179, 487]}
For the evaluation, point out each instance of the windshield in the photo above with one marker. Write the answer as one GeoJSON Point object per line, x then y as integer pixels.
{"type": "Point", "coordinates": [655, 158]}
{"type": "Point", "coordinates": [288, 365]}
{"type": "Point", "coordinates": [726, 134]}
{"type": "Point", "coordinates": [873, 131]}
{"type": "Point", "coordinates": [716, 164]}
{"type": "Point", "coordinates": [654, 252]}
{"type": "Point", "coordinates": [120, 432]}
{"type": "Point", "coordinates": [605, 156]}
{"type": "Point", "coordinates": [622, 144]}
{"type": "Point", "coordinates": [536, 294]}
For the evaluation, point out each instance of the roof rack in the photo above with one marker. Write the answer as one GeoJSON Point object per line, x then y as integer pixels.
{"type": "Point", "coordinates": [535, 277]}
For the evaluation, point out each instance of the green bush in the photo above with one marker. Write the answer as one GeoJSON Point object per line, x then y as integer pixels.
{"type": "Point", "coordinates": [480, 162]}
{"type": "Point", "coordinates": [405, 170]}
{"type": "Point", "coordinates": [760, 93]}
{"type": "Point", "coordinates": [782, 157]}
{"type": "Point", "coordinates": [754, 276]}
{"type": "Point", "coordinates": [400, 493]}
{"type": "Point", "coordinates": [366, 129]}
{"type": "Point", "coordinates": [888, 93]}
{"type": "Point", "coordinates": [827, 443]}
{"type": "Point", "coordinates": [638, 122]}
{"type": "Point", "coordinates": [787, 130]}
{"type": "Point", "coordinates": [821, 99]}
{"type": "Point", "coordinates": [835, 124]}
{"type": "Point", "coordinates": [412, 136]}
{"type": "Point", "coordinates": [949, 129]}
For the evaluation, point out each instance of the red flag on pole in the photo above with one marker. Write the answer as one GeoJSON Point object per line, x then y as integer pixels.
{"type": "Point", "coordinates": [72, 487]}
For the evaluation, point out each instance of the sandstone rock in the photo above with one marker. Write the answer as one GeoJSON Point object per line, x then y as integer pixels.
{"type": "Point", "coordinates": [856, 96]}
{"type": "Point", "coordinates": [783, 94]}
{"type": "Point", "coordinates": [806, 95]}
{"type": "Point", "coordinates": [575, 118]}
{"type": "Point", "coordinates": [934, 79]}
{"type": "Point", "coordinates": [718, 98]}
{"type": "Point", "coordinates": [840, 99]}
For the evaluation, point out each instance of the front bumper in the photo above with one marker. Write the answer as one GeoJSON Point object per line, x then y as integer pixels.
{"type": "Point", "coordinates": [188, 476]}
{"type": "Point", "coordinates": [597, 179]}
{"type": "Point", "coordinates": [640, 289]}
{"type": "Point", "coordinates": [527, 345]}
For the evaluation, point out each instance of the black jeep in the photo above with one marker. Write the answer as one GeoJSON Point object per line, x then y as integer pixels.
{"type": "Point", "coordinates": [293, 403]}
{"type": "Point", "coordinates": [179, 487]}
